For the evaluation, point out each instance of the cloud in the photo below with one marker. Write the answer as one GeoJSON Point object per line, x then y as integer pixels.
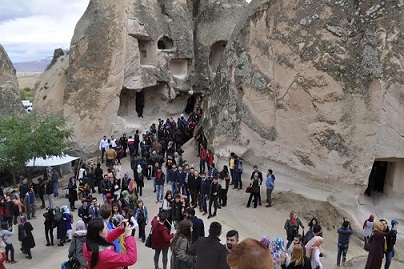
{"type": "Point", "coordinates": [31, 30]}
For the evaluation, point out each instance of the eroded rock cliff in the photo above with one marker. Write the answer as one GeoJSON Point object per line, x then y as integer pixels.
{"type": "Point", "coordinates": [315, 85]}
{"type": "Point", "coordinates": [10, 100]}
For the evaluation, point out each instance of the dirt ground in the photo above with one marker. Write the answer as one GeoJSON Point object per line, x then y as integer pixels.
{"type": "Point", "coordinates": [289, 194]}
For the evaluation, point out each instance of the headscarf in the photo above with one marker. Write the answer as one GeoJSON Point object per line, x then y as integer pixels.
{"type": "Point", "coordinates": [313, 244]}
{"type": "Point", "coordinates": [379, 227]}
{"type": "Point", "coordinates": [23, 220]}
{"type": "Point", "coordinates": [393, 222]}
{"type": "Point", "coordinates": [266, 241]}
{"type": "Point", "coordinates": [80, 225]}
{"type": "Point", "coordinates": [65, 209]}
{"type": "Point", "coordinates": [139, 169]}
{"type": "Point", "coordinates": [277, 247]}
{"type": "Point", "coordinates": [370, 219]}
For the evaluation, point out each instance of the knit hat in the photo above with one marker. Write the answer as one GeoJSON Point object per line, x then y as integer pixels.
{"type": "Point", "coordinates": [266, 241]}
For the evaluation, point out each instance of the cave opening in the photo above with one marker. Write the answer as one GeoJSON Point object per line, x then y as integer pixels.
{"type": "Point", "coordinates": [165, 43]}
{"type": "Point", "coordinates": [146, 51]}
{"type": "Point", "coordinates": [386, 176]}
{"type": "Point", "coordinates": [191, 103]}
{"type": "Point", "coordinates": [216, 52]}
{"type": "Point", "coordinates": [179, 68]}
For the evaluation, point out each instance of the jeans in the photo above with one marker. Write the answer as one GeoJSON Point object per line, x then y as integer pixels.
{"type": "Point", "coordinates": [237, 180]}
{"type": "Point", "coordinates": [389, 257]}
{"type": "Point", "coordinates": [342, 249]}
{"type": "Point", "coordinates": [233, 175]}
{"type": "Point", "coordinates": [9, 247]}
{"type": "Point", "coordinates": [159, 192]}
{"type": "Point", "coordinates": [202, 166]}
{"type": "Point", "coordinates": [157, 255]}
{"type": "Point", "coordinates": [203, 205]}
{"type": "Point", "coordinates": [142, 232]}
{"type": "Point", "coordinates": [55, 189]}
{"type": "Point", "coordinates": [213, 200]}
{"type": "Point", "coordinates": [269, 196]}
{"type": "Point", "coordinates": [49, 233]}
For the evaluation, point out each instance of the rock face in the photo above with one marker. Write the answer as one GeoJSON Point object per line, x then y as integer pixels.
{"type": "Point", "coordinates": [10, 100]}
{"type": "Point", "coordinates": [315, 86]}
{"type": "Point", "coordinates": [123, 51]}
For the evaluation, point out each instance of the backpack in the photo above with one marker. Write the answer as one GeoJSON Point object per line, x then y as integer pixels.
{"type": "Point", "coordinates": [58, 215]}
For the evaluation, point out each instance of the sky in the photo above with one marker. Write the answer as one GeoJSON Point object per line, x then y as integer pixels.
{"type": "Point", "coordinates": [32, 29]}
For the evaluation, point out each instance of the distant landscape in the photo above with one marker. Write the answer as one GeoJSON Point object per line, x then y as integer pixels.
{"type": "Point", "coordinates": [33, 66]}
{"type": "Point", "coordinates": [28, 74]}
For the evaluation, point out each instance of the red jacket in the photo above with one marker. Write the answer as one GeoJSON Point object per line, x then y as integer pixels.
{"type": "Point", "coordinates": [204, 154]}
{"type": "Point", "coordinates": [2, 260]}
{"type": "Point", "coordinates": [108, 258]}
{"type": "Point", "coordinates": [160, 235]}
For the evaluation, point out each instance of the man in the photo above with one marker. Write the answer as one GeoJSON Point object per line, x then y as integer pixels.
{"type": "Point", "coordinates": [232, 238]}
{"type": "Point", "coordinates": [103, 147]}
{"type": "Point", "coordinates": [194, 184]}
{"type": "Point", "coordinates": [205, 190]}
{"type": "Point", "coordinates": [124, 142]}
{"type": "Point", "coordinates": [84, 213]}
{"type": "Point", "coordinates": [30, 203]}
{"type": "Point", "coordinates": [198, 227]}
{"type": "Point", "coordinates": [344, 233]}
{"type": "Point", "coordinates": [391, 239]}
{"type": "Point", "coordinates": [260, 179]}
{"type": "Point", "coordinates": [298, 240]}
{"type": "Point", "coordinates": [113, 142]}
{"type": "Point", "coordinates": [94, 209]}
{"type": "Point", "coordinates": [160, 180]}
{"type": "Point", "coordinates": [238, 171]}
{"type": "Point", "coordinates": [55, 182]}
{"type": "Point", "coordinates": [232, 165]}
{"type": "Point", "coordinates": [213, 196]}
{"type": "Point", "coordinates": [136, 141]}
{"type": "Point", "coordinates": [110, 155]}
{"type": "Point", "coordinates": [131, 146]}
{"type": "Point", "coordinates": [105, 187]}
{"type": "Point", "coordinates": [269, 184]}
{"type": "Point", "coordinates": [209, 252]}
{"type": "Point", "coordinates": [203, 155]}
{"type": "Point", "coordinates": [106, 213]}
{"type": "Point", "coordinates": [49, 192]}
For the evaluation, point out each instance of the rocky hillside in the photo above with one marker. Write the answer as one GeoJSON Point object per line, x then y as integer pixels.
{"type": "Point", "coordinates": [315, 85]}
{"type": "Point", "coordinates": [10, 100]}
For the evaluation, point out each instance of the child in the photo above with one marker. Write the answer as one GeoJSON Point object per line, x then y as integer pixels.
{"type": "Point", "coordinates": [5, 235]}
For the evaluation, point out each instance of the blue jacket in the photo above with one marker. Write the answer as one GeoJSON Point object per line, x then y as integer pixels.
{"type": "Point", "coordinates": [270, 181]}
{"type": "Point", "coordinates": [205, 186]}
{"type": "Point", "coordinates": [343, 235]}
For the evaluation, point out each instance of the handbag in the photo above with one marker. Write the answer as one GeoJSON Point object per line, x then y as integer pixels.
{"type": "Point", "coordinates": [148, 242]}
{"type": "Point", "coordinates": [368, 243]}
{"type": "Point", "coordinates": [74, 263]}
{"type": "Point", "coordinates": [248, 190]}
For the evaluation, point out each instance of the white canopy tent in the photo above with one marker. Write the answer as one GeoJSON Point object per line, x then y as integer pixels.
{"type": "Point", "coordinates": [50, 161]}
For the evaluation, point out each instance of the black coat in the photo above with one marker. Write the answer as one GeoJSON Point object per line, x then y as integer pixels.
{"type": "Point", "coordinates": [210, 253]}
{"type": "Point", "coordinates": [198, 228]}
{"type": "Point", "coordinates": [28, 241]}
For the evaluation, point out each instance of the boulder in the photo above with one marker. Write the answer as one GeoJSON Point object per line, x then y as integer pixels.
{"type": "Point", "coordinates": [10, 99]}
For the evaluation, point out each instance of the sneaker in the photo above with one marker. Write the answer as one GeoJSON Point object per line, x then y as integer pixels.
{"type": "Point", "coordinates": [12, 262]}
{"type": "Point", "coordinates": [48, 245]}
{"type": "Point", "coordinates": [209, 216]}
{"type": "Point", "coordinates": [28, 257]}
{"type": "Point", "coordinates": [268, 206]}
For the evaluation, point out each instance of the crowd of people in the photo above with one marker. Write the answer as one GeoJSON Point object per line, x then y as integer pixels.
{"type": "Point", "coordinates": [105, 232]}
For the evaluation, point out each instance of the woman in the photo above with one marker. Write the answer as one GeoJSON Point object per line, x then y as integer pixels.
{"type": "Point", "coordinates": [224, 175]}
{"type": "Point", "coordinates": [313, 252]}
{"type": "Point", "coordinates": [278, 252]}
{"type": "Point", "coordinates": [49, 225]}
{"type": "Point", "coordinates": [368, 226]}
{"type": "Point", "coordinates": [142, 218]}
{"type": "Point", "coordinates": [298, 260]}
{"type": "Point", "coordinates": [254, 190]}
{"type": "Point", "coordinates": [98, 249]}
{"type": "Point", "coordinates": [127, 215]}
{"type": "Point", "coordinates": [310, 233]}
{"type": "Point", "coordinates": [116, 189]}
{"type": "Point", "coordinates": [167, 208]}
{"type": "Point", "coordinates": [125, 181]}
{"type": "Point", "coordinates": [72, 192]}
{"type": "Point", "coordinates": [250, 254]}
{"type": "Point", "coordinates": [292, 227]}
{"type": "Point", "coordinates": [116, 209]}
{"type": "Point", "coordinates": [378, 246]}
{"type": "Point", "coordinates": [76, 246]}
{"type": "Point", "coordinates": [179, 246]}
{"type": "Point", "coordinates": [160, 239]}
{"type": "Point", "coordinates": [25, 236]}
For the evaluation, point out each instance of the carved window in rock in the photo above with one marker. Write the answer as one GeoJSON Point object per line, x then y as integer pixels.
{"type": "Point", "coordinates": [216, 52]}
{"type": "Point", "coordinates": [179, 68]}
{"type": "Point", "coordinates": [146, 52]}
{"type": "Point", "coordinates": [165, 43]}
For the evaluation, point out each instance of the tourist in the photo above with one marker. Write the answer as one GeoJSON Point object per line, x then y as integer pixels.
{"type": "Point", "coordinates": [292, 227]}
{"type": "Point", "coordinates": [204, 192]}
{"type": "Point", "coordinates": [194, 184]}
{"type": "Point", "coordinates": [297, 261]}
{"type": "Point", "coordinates": [167, 208]}
{"type": "Point", "coordinates": [25, 236]}
{"type": "Point", "coordinates": [98, 176]}
{"type": "Point", "coordinates": [249, 254]}
{"type": "Point", "coordinates": [106, 187]}
{"type": "Point", "coordinates": [232, 238]}
{"type": "Point", "coordinates": [224, 176]}
{"type": "Point", "coordinates": [110, 156]}
{"type": "Point", "coordinates": [391, 238]}
{"type": "Point", "coordinates": [83, 212]}
{"type": "Point", "coordinates": [368, 226]}
{"type": "Point", "coordinates": [106, 213]}
{"type": "Point", "coordinates": [266, 241]}
{"type": "Point", "coordinates": [313, 252]}
{"type": "Point", "coordinates": [270, 185]}
{"type": "Point", "coordinates": [49, 226]}
{"type": "Point", "coordinates": [72, 186]}
{"type": "Point", "coordinates": [103, 147]}
{"type": "Point", "coordinates": [254, 190]}
{"type": "Point", "coordinates": [160, 180]}
{"type": "Point", "coordinates": [6, 237]}
{"type": "Point", "coordinates": [160, 239]}
{"type": "Point", "coordinates": [98, 251]}
{"type": "Point", "coordinates": [260, 179]}
{"type": "Point", "coordinates": [139, 180]}
{"type": "Point", "coordinates": [215, 188]}
{"type": "Point", "coordinates": [127, 214]}
{"type": "Point", "coordinates": [232, 166]}
{"type": "Point", "coordinates": [344, 233]}
{"type": "Point", "coordinates": [209, 252]}
{"type": "Point", "coordinates": [142, 217]}
{"type": "Point", "coordinates": [76, 246]}
{"type": "Point", "coordinates": [124, 142]}
{"type": "Point", "coordinates": [177, 210]}
{"type": "Point", "coordinates": [203, 156]}
{"type": "Point", "coordinates": [41, 191]}
{"type": "Point", "coordinates": [298, 240]}
{"type": "Point", "coordinates": [278, 252]}
{"type": "Point", "coordinates": [30, 202]}
{"type": "Point", "coordinates": [198, 227]}
{"type": "Point", "coordinates": [94, 209]}
{"type": "Point", "coordinates": [179, 246]}
{"type": "Point", "coordinates": [238, 171]}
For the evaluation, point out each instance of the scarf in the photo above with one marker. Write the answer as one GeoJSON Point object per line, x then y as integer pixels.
{"type": "Point", "coordinates": [312, 245]}
{"type": "Point", "coordinates": [277, 247]}
{"type": "Point", "coordinates": [379, 228]}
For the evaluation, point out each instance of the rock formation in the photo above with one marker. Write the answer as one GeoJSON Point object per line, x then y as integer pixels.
{"type": "Point", "coordinates": [124, 49]}
{"type": "Point", "coordinates": [315, 86]}
{"type": "Point", "coordinates": [10, 100]}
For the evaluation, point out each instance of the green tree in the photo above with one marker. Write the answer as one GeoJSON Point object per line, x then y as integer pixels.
{"type": "Point", "coordinates": [23, 137]}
